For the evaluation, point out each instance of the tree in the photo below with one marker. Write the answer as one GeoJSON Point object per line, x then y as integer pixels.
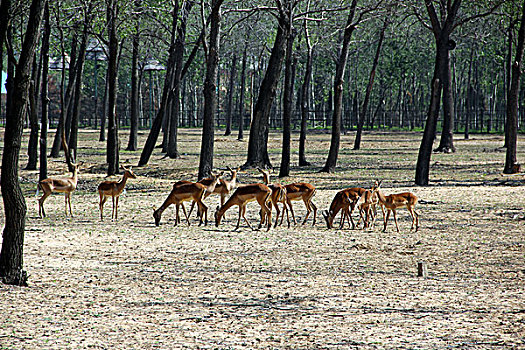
{"type": "Point", "coordinates": [44, 96]}
{"type": "Point", "coordinates": [135, 105]}
{"type": "Point", "coordinates": [331, 160]}
{"type": "Point", "coordinates": [210, 92]}
{"type": "Point", "coordinates": [112, 10]}
{"type": "Point", "coordinates": [11, 255]}
{"type": "Point", "coordinates": [511, 164]}
{"type": "Point", "coordinates": [258, 141]}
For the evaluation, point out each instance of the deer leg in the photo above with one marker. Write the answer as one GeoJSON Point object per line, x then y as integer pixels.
{"type": "Point", "coordinates": [113, 208]}
{"type": "Point", "coordinates": [308, 210]}
{"type": "Point", "coordinates": [352, 207]}
{"type": "Point", "coordinates": [203, 212]}
{"type": "Point", "coordinates": [116, 209]}
{"type": "Point", "coordinates": [312, 205]}
{"type": "Point", "coordinates": [289, 202]}
{"type": "Point", "coordinates": [386, 219]}
{"type": "Point", "coordinates": [278, 213]}
{"type": "Point", "coordinates": [102, 201]}
{"type": "Point", "coordinates": [395, 219]}
{"type": "Point", "coordinates": [41, 210]}
{"type": "Point", "coordinates": [244, 216]}
{"type": "Point", "coordinates": [417, 219]}
{"type": "Point", "coordinates": [239, 219]}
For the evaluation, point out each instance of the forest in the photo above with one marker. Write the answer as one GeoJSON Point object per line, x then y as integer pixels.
{"type": "Point", "coordinates": [336, 101]}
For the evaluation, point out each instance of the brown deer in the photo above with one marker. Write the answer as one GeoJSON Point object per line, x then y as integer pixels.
{"type": "Point", "coordinates": [305, 191]}
{"type": "Point", "coordinates": [113, 189]}
{"type": "Point", "coordinates": [62, 185]}
{"type": "Point", "coordinates": [367, 205]}
{"type": "Point", "coordinates": [182, 192]}
{"type": "Point", "coordinates": [344, 200]}
{"type": "Point", "coordinates": [395, 201]}
{"type": "Point", "coordinates": [278, 196]}
{"type": "Point", "coordinates": [242, 195]}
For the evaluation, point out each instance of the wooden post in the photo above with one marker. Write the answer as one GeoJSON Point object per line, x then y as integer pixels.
{"type": "Point", "coordinates": [422, 269]}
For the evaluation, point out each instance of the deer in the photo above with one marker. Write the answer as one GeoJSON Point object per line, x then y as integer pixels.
{"type": "Point", "coordinates": [62, 185]}
{"type": "Point", "coordinates": [242, 195]}
{"type": "Point", "coordinates": [395, 201]}
{"type": "Point", "coordinates": [344, 200]}
{"type": "Point", "coordinates": [278, 196]}
{"type": "Point", "coordinates": [113, 189]}
{"type": "Point", "coordinates": [301, 190]}
{"type": "Point", "coordinates": [182, 192]}
{"type": "Point", "coordinates": [223, 187]}
{"type": "Point", "coordinates": [367, 204]}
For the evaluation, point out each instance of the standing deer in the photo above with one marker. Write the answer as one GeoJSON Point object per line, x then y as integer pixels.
{"type": "Point", "coordinates": [242, 195]}
{"type": "Point", "coordinates": [305, 191]}
{"type": "Point", "coordinates": [64, 185]}
{"type": "Point", "coordinates": [367, 205]}
{"type": "Point", "coordinates": [113, 189]}
{"type": "Point", "coordinates": [398, 200]}
{"type": "Point", "coordinates": [278, 196]}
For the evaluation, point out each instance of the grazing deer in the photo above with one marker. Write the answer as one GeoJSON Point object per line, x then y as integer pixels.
{"type": "Point", "coordinates": [344, 200]}
{"type": "Point", "coordinates": [305, 191]}
{"type": "Point", "coordinates": [183, 192]}
{"type": "Point", "coordinates": [222, 187]}
{"type": "Point", "coordinates": [113, 189]}
{"type": "Point", "coordinates": [278, 196]}
{"type": "Point", "coordinates": [398, 200]}
{"type": "Point", "coordinates": [242, 195]}
{"type": "Point", "coordinates": [64, 185]}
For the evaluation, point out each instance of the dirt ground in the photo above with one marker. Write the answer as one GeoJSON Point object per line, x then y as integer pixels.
{"type": "Point", "coordinates": [131, 285]}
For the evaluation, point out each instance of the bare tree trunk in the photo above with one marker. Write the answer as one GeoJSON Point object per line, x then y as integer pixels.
{"type": "Point", "coordinates": [135, 86]}
{"type": "Point", "coordinates": [32, 147]}
{"type": "Point", "coordinates": [305, 98]}
{"type": "Point", "coordinates": [112, 76]}
{"type": "Point", "coordinates": [331, 160]}
{"type": "Point", "coordinates": [362, 117]}
{"type": "Point", "coordinates": [11, 255]}
{"type": "Point", "coordinates": [210, 93]}
{"type": "Point", "coordinates": [45, 100]}
{"type": "Point", "coordinates": [229, 108]}
{"type": "Point", "coordinates": [511, 163]}
{"type": "Point", "coordinates": [289, 72]}
{"type": "Point", "coordinates": [258, 142]}
{"type": "Point", "coordinates": [241, 98]}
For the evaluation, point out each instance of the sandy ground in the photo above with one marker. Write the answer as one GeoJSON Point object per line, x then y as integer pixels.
{"type": "Point", "coordinates": [127, 284]}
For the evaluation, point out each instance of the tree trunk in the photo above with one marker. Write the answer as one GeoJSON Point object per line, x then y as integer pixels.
{"type": "Point", "coordinates": [73, 135]}
{"type": "Point", "coordinates": [32, 147]}
{"type": "Point", "coordinates": [103, 117]}
{"type": "Point", "coordinates": [289, 72]}
{"type": "Point", "coordinates": [258, 142]}
{"type": "Point", "coordinates": [112, 142]}
{"type": "Point", "coordinates": [305, 105]}
{"type": "Point", "coordinates": [45, 100]}
{"type": "Point", "coordinates": [511, 164]}
{"type": "Point", "coordinates": [175, 93]}
{"type": "Point", "coordinates": [135, 86]}
{"type": "Point", "coordinates": [210, 93]}
{"type": "Point", "coordinates": [240, 136]}
{"type": "Point", "coordinates": [231, 88]}
{"type": "Point", "coordinates": [446, 143]}
{"type": "Point", "coordinates": [11, 255]}
{"type": "Point", "coordinates": [331, 160]}
{"type": "Point", "coordinates": [362, 117]}
{"type": "Point", "coordinates": [65, 101]}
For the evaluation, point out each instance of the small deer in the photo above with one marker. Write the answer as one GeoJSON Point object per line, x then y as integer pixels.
{"type": "Point", "coordinates": [367, 205]}
{"type": "Point", "coordinates": [113, 189]}
{"type": "Point", "coordinates": [344, 200]}
{"type": "Point", "coordinates": [63, 185]}
{"type": "Point", "coordinates": [305, 191]}
{"type": "Point", "coordinates": [395, 201]}
{"type": "Point", "coordinates": [278, 196]}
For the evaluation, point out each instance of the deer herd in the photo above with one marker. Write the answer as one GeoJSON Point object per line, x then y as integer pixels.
{"type": "Point", "coordinates": [268, 195]}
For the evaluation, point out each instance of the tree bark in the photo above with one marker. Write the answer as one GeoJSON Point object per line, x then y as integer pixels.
{"type": "Point", "coordinates": [210, 93]}
{"type": "Point", "coordinates": [258, 141]}
{"type": "Point", "coordinates": [362, 116]}
{"type": "Point", "coordinates": [45, 100]}
{"type": "Point", "coordinates": [32, 146]}
{"type": "Point", "coordinates": [331, 160]}
{"type": "Point", "coordinates": [135, 86]}
{"type": "Point", "coordinates": [11, 255]}
{"type": "Point", "coordinates": [240, 136]}
{"type": "Point", "coordinates": [231, 88]}
{"type": "Point", "coordinates": [511, 163]}
{"type": "Point", "coordinates": [305, 104]}
{"type": "Point", "coordinates": [289, 72]}
{"type": "Point", "coordinates": [112, 142]}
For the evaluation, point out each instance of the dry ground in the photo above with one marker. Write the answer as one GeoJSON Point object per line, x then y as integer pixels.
{"type": "Point", "coordinates": [131, 285]}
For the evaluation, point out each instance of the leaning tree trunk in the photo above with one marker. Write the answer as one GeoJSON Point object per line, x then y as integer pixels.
{"type": "Point", "coordinates": [32, 146]}
{"type": "Point", "coordinates": [331, 160]}
{"type": "Point", "coordinates": [258, 142]}
{"type": "Point", "coordinates": [362, 116]}
{"type": "Point", "coordinates": [210, 93]}
{"type": "Point", "coordinates": [289, 72]}
{"type": "Point", "coordinates": [231, 89]}
{"type": "Point", "coordinates": [11, 255]}
{"type": "Point", "coordinates": [511, 164]}
{"type": "Point", "coordinates": [446, 143]}
{"type": "Point", "coordinates": [305, 105]}
{"type": "Point", "coordinates": [112, 142]}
